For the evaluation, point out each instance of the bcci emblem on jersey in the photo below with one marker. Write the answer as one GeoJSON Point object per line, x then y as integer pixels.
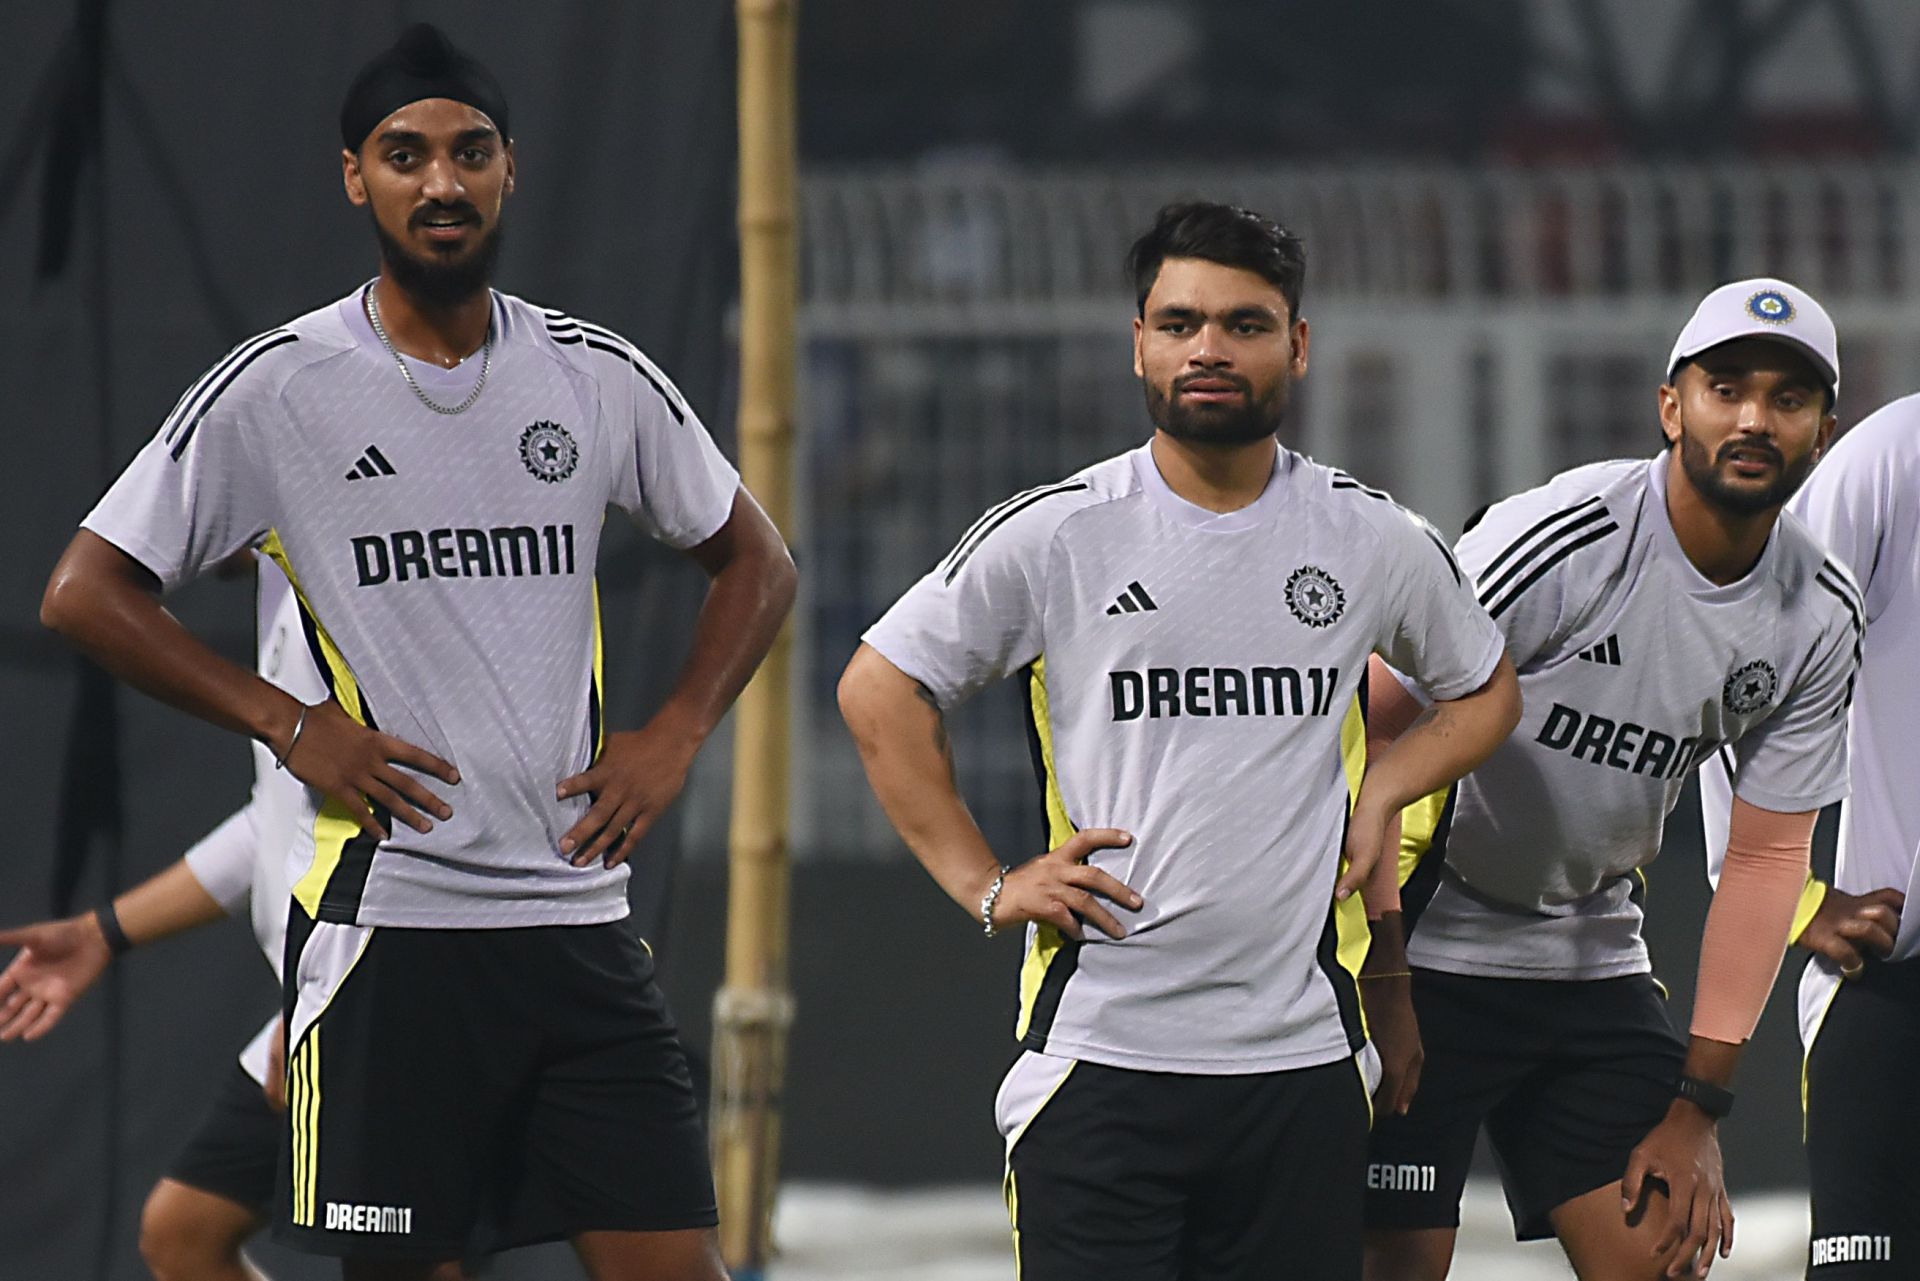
{"type": "Point", "coordinates": [1314, 597]}
{"type": "Point", "coordinates": [549, 452]}
{"type": "Point", "coordinates": [1751, 688]}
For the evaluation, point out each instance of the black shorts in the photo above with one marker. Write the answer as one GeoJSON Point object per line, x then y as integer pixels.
{"type": "Point", "coordinates": [236, 1151]}
{"type": "Point", "coordinates": [1156, 1176]}
{"type": "Point", "coordinates": [456, 1092]}
{"type": "Point", "coordinates": [1567, 1077]}
{"type": "Point", "coordinates": [1863, 1128]}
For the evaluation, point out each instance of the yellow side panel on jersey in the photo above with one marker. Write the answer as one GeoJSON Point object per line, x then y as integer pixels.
{"type": "Point", "coordinates": [1060, 828]}
{"type": "Point", "coordinates": [1419, 823]}
{"type": "Point", "coordinates": [598, 710]}
{"type": "Point", "coordinates": [346, 688]}
{"type": "Point", "coordinates": [1811, 898]}
{"type": "Point", "coordinates": [1350, 915]}
{"type": "Point", "coordinates": [1047, 941]}
{"type": "Point", "coordinates": [333, 827]}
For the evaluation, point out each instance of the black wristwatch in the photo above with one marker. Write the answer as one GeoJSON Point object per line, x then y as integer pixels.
{"type": "Point", "coordinates": [1712, 1099]}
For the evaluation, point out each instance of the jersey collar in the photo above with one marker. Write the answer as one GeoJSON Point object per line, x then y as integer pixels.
{"type": "Point", "coordinates": [1696, 584]}
{"type": "Point", "coordinates": [1193, 516]}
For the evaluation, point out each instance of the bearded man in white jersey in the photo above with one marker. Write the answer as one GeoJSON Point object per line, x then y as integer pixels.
{"type": "Point", "coordinates": [1192, 620]}
{"type": "Point", "coordinates": [1860, 991]}
{"type": "Point", "coordinates": [1658, 612]}
{"type": "Point", "coordinates": [477, 1054]}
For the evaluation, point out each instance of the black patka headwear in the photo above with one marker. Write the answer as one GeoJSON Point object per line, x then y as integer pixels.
{"type": "Point", "coordinates": [422, 63]}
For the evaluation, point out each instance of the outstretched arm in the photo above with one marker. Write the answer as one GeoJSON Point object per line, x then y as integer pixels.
{"type": "Point", "coordinates": [640, 772]}
{"type": "Point", "coordinates": [59, 961]}
{"type": "Point", "coordinates": [902, 736]}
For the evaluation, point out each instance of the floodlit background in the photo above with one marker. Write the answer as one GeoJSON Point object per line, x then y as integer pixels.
{"type": "Point", "coordinates": [1509, 210]}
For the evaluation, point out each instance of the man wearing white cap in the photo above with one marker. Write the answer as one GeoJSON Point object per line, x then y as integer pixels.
{"type": "Point", "coordinates": [1657, 612]}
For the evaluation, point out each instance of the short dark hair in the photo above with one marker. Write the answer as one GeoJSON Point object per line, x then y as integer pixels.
{"type": "Point", "coordinates": [1225, 234]}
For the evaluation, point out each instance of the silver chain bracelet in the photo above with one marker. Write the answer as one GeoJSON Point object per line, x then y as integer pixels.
{"type": "Point", "coordinates": [991, 897]}
{"type": "Point", "coordinates": [299, 726]}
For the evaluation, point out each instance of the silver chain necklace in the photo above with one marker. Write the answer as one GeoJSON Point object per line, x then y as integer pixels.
{"type": "Point", "coordinates": [486, 361]}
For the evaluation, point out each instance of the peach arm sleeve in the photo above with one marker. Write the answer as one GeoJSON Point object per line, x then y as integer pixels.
{"type": "Point", "coordinates": [1751, 919]}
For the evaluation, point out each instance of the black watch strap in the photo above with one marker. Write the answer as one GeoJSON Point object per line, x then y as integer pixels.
{"type": "Point", "coordinates": [1712, 1099]}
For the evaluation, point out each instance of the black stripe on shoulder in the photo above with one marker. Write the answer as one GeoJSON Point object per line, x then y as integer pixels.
{"type": "Point", "coordinates": [1446, 553]}
{"type": "Point", "coordinates": [563, 328]}
{"type": "Point", "coordinates": [1856, 614]}
{"type": "Point", "coordinates": [1842, 585]}
{"type": "Point", "coordinates": [235, 369]}
{"type": "Point", "coordinates": [985, 516]}
{"type": "Point", "coordinates": [640, 366]}
{"type": "Point", "coordinates": [1343, 481]}
{"type": "Point", "coordinates": [1846, 603]}
{"type": "Point", "coordinates": [190, 403]}
{"type": "Point", "coordinates": [1492, 584]}
{"type": "Point", "coordinates": [1521, 544]}
{"type": "Point", "coordinates": [1547, 562]}
{"type": "Point", "coordinates": [1008, 512]}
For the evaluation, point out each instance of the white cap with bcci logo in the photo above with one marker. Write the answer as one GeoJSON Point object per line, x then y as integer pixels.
{"type": "Point", "coordinates": [1762, 308]}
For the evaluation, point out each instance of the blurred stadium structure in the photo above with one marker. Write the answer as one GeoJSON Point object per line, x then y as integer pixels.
{"type": "Point", "coordinates": [1509, 206]}
{"type": "Point", "coordinates": [1474, 331]}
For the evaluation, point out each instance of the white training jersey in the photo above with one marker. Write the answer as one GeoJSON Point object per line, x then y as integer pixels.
{"type": "Point", "coordinates": [1863, 501]}
{"type": "Point", "coordinates": [1192, 679]}
{"type": "Point", "coordinates": [1633, 669]}
{"type": "Point", "coordinates": [242, 863]}
{"type": "Point", "coordinates": [444, 569]}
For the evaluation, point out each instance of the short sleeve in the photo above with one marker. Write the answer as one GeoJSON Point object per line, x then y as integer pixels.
{"type": "Point", "coordinates": [1435, 631]}
{"type": "Point", "coordinates": [197, 492]}
{"type": "Point", "coordinates": [1852, 500]}
{"type": "Point", "coordinates": [977, 616]}
{"type": "Point", "coordinates": [1796, 759]}
{"type": "Point", "coordinates": [222, 861]}
{"type": "Point", "coordinates": [1510, 554]}
{"type": "Point", "coordinates": [669, 475]}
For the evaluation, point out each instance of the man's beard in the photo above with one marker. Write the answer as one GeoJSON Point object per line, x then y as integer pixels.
{"type": "Point", "coordinates": [1253, 419]}
{"type": "Point", "coordinates": [441, 282]}
{"type": "Point", "coordinates": [1706, 476]}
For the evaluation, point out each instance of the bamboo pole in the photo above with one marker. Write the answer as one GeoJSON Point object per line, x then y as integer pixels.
{"type": "Point", "coordinates": [754, 1009]}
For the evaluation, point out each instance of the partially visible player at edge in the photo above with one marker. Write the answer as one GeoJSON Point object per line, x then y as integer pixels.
{"type": "Point", "coordinates": [1658, 612]}
{"type": "Point", "coordinates": [218, 1192]}
{"type": "Point", "coordinates": [478, 1056]}
{"type": "Point", "coordinates": [1193, 620]}
{"type": "Point", "coordinates": [1860, 993]}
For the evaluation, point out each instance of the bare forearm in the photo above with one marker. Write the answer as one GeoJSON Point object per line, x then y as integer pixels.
{"type": "Point", "coordinates": [1712, 1061]}
{"type": "Point", "coordinates": [171, 902]}
{"type": "Point", "coordinates": [1387, 947]}
{"type": "Point", "coordinates": [752, 591]}
{"type": "Point", "coordinates": [106, 605]}
{"type": "Point", "coordinates": [903, 744]}
{"type": "Point", "coordinates": [1445, 743]}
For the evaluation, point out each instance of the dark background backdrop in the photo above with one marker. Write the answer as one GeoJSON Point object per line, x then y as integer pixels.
{"type": "Point", "coordinates": [206, 206]}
